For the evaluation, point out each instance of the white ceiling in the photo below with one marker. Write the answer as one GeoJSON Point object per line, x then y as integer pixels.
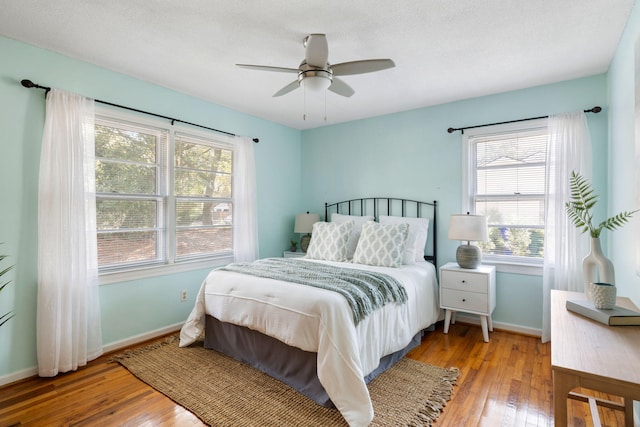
{"type": "Point", "coordinates": [444, 50]}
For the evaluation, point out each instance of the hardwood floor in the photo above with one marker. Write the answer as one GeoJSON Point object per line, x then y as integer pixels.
{"type": "Point", "coordinates": [506, 382]}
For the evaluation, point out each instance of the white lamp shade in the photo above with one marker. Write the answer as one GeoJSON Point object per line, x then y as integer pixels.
{"type": "Point", "coordinates": [468, 227]}
{"type": "Point", "coordinates": [304, 222]}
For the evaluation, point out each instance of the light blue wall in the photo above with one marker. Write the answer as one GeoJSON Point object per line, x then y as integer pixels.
{"type": "Point", "coordinates": [411, 155]}
{"type": "Point", "coordinates": [624, 160]}
{"type": "Point", "coordinates": [140, 306]}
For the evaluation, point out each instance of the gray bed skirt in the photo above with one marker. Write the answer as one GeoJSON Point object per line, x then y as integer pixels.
{"type": "Point", "coordinates": [294, 367]}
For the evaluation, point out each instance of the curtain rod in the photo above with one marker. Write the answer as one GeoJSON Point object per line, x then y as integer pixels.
{"type": "Point", "coordinates": [29, 84]}
{"type": "Point", "coordinates": [595, 109]}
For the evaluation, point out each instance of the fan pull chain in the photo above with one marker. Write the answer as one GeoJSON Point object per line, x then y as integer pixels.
{"type": "Point", "coordinates": [325, 107]}
{"type": "Point", "coordinates": [304, 102]}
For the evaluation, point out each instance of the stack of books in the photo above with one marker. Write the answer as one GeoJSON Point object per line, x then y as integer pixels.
{"type": "Point", "coordinates": [617, 316]}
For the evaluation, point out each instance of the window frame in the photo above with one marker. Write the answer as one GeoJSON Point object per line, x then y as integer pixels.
{"type": "Point", "coordinates": [503, 263]}
{"type": "Point", "coordinates": [169, 265]}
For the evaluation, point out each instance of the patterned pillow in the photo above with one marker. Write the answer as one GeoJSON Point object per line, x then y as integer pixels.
{"type": "Point", "coordinates": [358, 221]}
{"type": "Point", "coordinates": [417, 239]}
{"type": "Point", "coordinates": [381, 244]}
{"type": "Point", "coordinates": [329, 241]}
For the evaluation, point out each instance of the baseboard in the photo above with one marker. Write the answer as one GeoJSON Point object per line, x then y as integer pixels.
{"type": "Point", "coordinates": [19, 375]}
{"type": "Point", "coordinates": [136, 339]}
{"type": "Point", "coordinates": [475, 320]}
{"type": "Point", "coordinates": [107, 348]}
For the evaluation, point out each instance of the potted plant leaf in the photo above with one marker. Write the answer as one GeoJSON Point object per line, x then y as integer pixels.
{"type": "Point", "coordinates": [580, 212]}
{"type": "Point", "coordinates": [4, 318]}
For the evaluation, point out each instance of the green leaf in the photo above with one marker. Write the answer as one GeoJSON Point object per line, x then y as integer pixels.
{"type": "Point", "coordinates": [6, 317]}
{"type": "Point", "coordinates": [3, 272]}
{"type": "Point", "coordinates": [582, 202]}
{"type": "Point", "coordinates": [616, 221]}
{"type": "Point", "coordinates": [4, 284]}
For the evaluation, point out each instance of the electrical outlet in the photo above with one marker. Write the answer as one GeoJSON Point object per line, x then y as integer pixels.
{"type": "Point", "coordinates": [183, 295]}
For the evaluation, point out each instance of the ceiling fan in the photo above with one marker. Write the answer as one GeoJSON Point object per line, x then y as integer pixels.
{"type": "Point", "coordinates": [315, 72]}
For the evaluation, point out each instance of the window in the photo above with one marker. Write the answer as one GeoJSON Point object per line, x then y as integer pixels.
{"type": "Point", "coordinates": [163, 196]}
{"type": "Point", "coordinates": [507, 184]}
{"type": "Point", "coordinates": [204, 212]}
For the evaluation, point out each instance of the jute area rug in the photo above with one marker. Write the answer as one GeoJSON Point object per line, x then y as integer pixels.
{"type": "Point", "coordinates": [224, 392]}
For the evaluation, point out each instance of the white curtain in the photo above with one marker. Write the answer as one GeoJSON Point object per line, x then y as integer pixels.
{"type": "Point", "coordinates": [245, 215]}
{"type": "Point", "coordinates": [564, 246]}
{"type": "Point", "coordinates": [68, 318]}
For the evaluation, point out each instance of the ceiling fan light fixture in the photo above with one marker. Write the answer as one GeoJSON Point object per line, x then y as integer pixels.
{"type": "Point", "coordinates": [315, 80]}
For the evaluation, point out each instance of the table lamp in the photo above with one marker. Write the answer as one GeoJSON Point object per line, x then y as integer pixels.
{"type": "Point", "coordinates": [470, 228]}
{"type": "Point", "coordinates": [304, 224]}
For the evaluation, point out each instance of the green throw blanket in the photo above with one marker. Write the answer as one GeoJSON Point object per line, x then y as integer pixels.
{"type": "Point", "coordinates": [365, 291]}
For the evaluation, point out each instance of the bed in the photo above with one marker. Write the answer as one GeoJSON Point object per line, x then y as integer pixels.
{"type": "Point", "coordinates": [314, 338]}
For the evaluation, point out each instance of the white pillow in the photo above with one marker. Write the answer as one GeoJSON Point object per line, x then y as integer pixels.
{"type": "Point", "coordinates": [358, 221]}
{"type": "Point", "coordinates": [381, 244]}
{"type": "Point", "coordinates": [329, 241]}
{"type": "Point", "coordinates": [418, 232]}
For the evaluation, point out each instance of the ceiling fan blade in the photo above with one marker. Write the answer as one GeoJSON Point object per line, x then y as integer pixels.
{"type": "Point", "coordinates": [361, 67]}
{"type": "Point", "coordinates": [317, 50]}
{"type": "Point", "coordinates": [268, 68]}
{"type": "Point", "coordinates": [288, 88]}
{"type": "Point", "coordinates": [341, 88]}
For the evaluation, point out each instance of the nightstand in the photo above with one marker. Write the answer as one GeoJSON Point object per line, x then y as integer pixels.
{"type": "Point", "coordinates": [470, 291]}
{"type": "Point", "coordinates": [289, 254]}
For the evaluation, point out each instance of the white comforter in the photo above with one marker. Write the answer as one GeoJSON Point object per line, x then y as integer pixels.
{"type": "Point", "coordinates": [319, 320]}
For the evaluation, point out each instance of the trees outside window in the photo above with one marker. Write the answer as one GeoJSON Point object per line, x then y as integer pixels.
{"type": "Point", "coordinates": [162, 196]}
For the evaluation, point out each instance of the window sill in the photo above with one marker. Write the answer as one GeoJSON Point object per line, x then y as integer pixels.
{"type": "Point", "coordinates": [161, 270]}
{"type": "Point", "coordinates": [515, 267]}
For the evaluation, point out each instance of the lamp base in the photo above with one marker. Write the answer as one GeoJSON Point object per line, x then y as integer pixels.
{"type": "Point", "coordinates": [468, 256]}
{"type": "Point", "coordinates": [304, 242]}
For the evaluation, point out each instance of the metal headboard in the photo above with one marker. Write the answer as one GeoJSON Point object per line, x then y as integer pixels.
{"type": "Point", "coordinates": [391, 206]}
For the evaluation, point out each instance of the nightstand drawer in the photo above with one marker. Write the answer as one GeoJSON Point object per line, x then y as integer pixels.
{"type": "Point", "coordinates": [465, 301]}
{"type": "Point", "coordinates": [465, 281]}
